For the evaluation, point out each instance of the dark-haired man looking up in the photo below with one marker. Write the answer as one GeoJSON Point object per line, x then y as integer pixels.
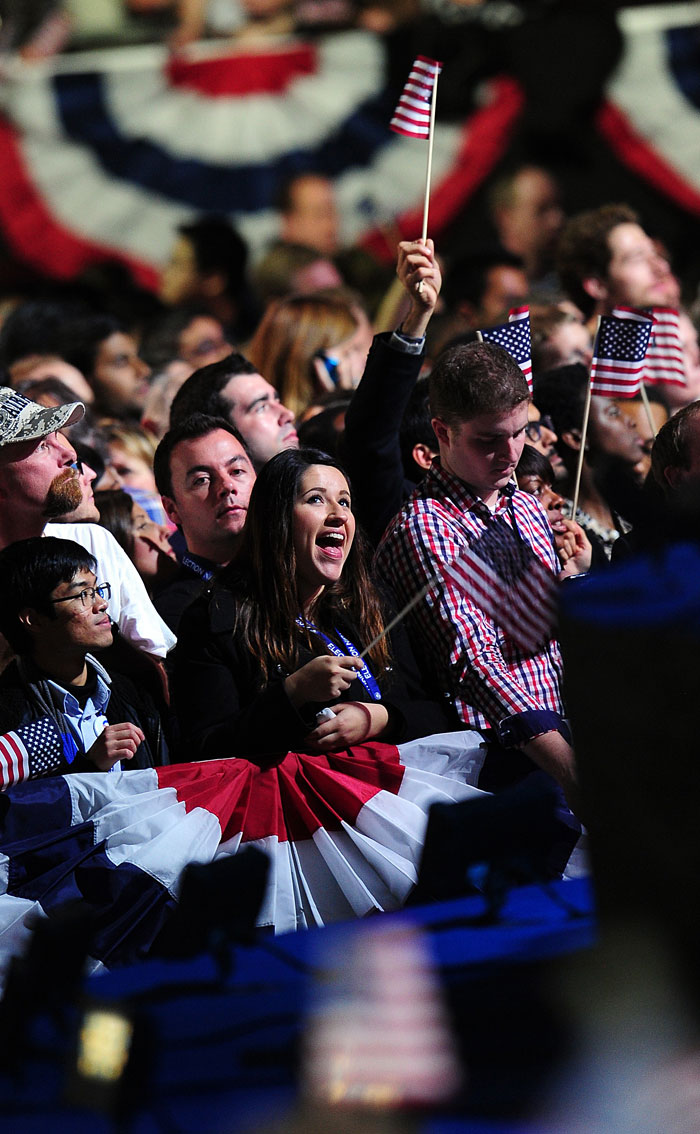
{"type": "Point", "coordinates": [205, 476]}
{"type": "Point", "coordinates": [606, 260]}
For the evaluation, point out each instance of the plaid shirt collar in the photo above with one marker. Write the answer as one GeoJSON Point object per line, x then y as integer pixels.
{"type": "Point", "coordinates": [439, 482]}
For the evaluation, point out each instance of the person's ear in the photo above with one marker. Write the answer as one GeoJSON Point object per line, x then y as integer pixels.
{"type": "Point", "coordinates": [170, 508]}
{"type": "Point", "coordinates": [441, 431]}
{"type": "Point", "coordinates": [673, 475]}
{"type": "Point", "coordinates": [595, 287]}
{"type": "Point", "coordinates": [423, 455]}
{"type": "Point", "coordinates": [32, 620]}
{"type": "Point", "coordinates": [151, 426]}
{"type": "Point", "coordinates": [572, 438]}
{"type": "Point", "coordinates": [213, 284]}
{"type": "Point", "coordinates": [468, 313]}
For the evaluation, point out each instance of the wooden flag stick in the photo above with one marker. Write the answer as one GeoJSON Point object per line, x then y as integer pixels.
{"type": "Point", "coordinates": [647, 408]}
{"type": "Point", "coordinates": [429, 169]}
{"type": "Point", "coordinates": [584, 431]}
{"type": "Point", "coordinates": [402, 614]}
{"type": "Point", "coordinates": [582, 451]}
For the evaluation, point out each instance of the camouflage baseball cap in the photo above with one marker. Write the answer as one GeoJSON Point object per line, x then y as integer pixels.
{"type": "Point", "coordinates": [22, 420]}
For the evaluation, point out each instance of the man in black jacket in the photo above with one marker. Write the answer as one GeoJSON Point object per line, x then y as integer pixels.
{"type": "Point", "coordinates": [53, 611]}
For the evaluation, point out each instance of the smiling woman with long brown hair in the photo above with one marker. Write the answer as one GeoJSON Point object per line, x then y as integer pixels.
{"type": "Point", "coordinates": [268, 669]}
{"type": "Point", "coordinates": [277, 639]}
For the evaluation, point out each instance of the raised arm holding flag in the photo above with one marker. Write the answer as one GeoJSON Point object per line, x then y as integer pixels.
{"type": "Point", "coordinates": [415, 116]}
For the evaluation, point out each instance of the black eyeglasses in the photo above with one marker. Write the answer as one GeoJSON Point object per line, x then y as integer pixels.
{"type": "Point", "coordinates": [87, 597]}
{"type": "Point", "coordinates": [533, 429]}
{"type": "Point", "coordinates": [77, 464]}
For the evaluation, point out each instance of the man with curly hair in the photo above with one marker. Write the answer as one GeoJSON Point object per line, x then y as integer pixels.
{"type": "Point", "coordinates": [605, 259]}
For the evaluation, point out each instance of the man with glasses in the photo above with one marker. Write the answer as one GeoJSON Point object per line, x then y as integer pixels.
{"type": "Point", "coordinates": [541, 434]}
{"type": "Point", "coordinates": [53, 613]}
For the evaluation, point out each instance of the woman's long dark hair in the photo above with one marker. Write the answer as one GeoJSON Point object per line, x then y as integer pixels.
{"type": "Point", "coordinates": [115, 507]}
{"type": "Point", "coordinates": [263, 575]}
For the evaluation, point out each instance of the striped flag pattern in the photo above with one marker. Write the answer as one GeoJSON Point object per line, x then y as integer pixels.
{"type": "Point", "coordinates": [510, 584]}
{"type": "Point", "coordinates": [14, 759]}
{"type": "Point", "coordinates": [514, 337]}
{"type": "Point", "coordinates": [664, 360]}
{"type": "Point", "coordinates": [412, 114]}
{"type": "Point", "coordinates": [619, 352]}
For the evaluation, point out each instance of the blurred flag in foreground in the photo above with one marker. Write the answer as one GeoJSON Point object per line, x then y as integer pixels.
{"type": "Point", "coordinates": [379, 1034]}
{"type": "Point", "coordinates": [501, 574]}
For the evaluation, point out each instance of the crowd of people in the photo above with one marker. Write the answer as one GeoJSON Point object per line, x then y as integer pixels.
{"type": "Point", "coordinates": [217, 504]}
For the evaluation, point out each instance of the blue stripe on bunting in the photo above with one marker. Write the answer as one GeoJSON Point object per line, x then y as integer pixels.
{"type": "Point", "coordinates": [61, 863]}
{"type": "Point", "coordinates": [35, 806]}
{"type": "Point", "coordinates": [683, 45]}
{"type": "Point", "coordinates": [85, 117]}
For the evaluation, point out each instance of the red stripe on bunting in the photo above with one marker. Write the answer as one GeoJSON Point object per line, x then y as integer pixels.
{"type": "Point", "coordinates": [291, 799]}
{"type": "Point", "coordinates": [486, 137]}
{"type": "Point", "coordinates": [243, 74]}
{"type": "Point", "coordinates": [36, 236]}
{"type": "Point", "coordinates": [643, 159]}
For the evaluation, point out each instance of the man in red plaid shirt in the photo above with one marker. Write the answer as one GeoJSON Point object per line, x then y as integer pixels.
{"type": "Point", "coordinates": [479, 400]}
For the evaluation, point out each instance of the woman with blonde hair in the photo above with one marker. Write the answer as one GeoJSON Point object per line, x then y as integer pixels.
{"type": "Point", "coordinates": [308, 344]}
{"type": "Point", "coordinates": [130, 466]}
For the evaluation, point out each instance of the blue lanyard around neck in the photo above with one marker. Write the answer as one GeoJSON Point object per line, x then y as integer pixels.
{"type": "Point", "coordinates": [192, 563]}
{"type": "Point", "coordinates": [365, 674]}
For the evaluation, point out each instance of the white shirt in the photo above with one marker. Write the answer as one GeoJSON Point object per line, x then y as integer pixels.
{"type": "Point", "coordinates": [130, 607]}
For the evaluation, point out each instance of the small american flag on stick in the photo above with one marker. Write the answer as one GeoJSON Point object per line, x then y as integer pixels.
{"type": "Point", "coordinates": [664, 359]}
{"type": "Point", "coordinates": [412, 115]}
{"type": "Point", "coordinates": [618, 354]}
{"type": "Point", "coordinates": [514, 336]}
